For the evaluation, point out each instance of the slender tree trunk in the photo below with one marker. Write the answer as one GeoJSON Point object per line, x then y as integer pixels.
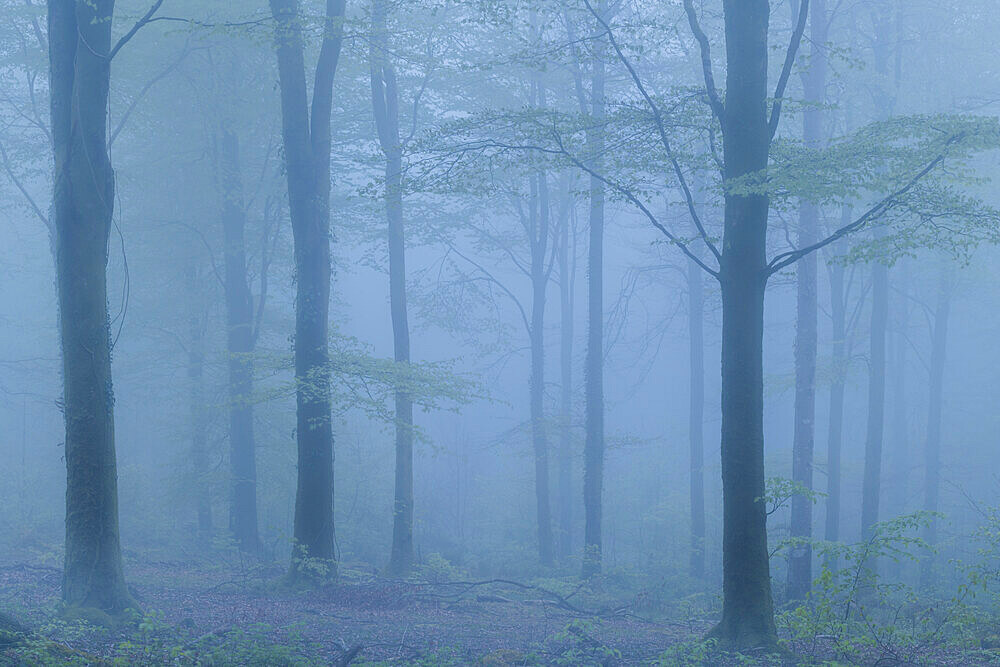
{"type": "Point", "coordinates": [385, 99]}
{"type": "Point", "coordinates": [696, 415]}
{"type": "Point", "coordinates": [567, 275]}
{"type": "Point", "coordinates": [900, 447]}
{"type": "Point", "coordinates": [876, 402]}
{"type": "Point", "coordinates": [872, 483]}
{"type": "Point", "coordinates": [838, 309]}
{"type": "Point", "coordinates": [79, 35]}
{"type": "Point", "coordinates": [539, 283]}
{"type": "Point", "coordinates": [240, 346]}
{"type": "Point", "coordinates": [196, 378]}
{"type": "Point", "coordinates": [593, 458]}
{"type": "Point", "coordinates": [932, 472]}
{"type": "Point", "coordinates": [814, 85]}
{"type": "Point", "coordinates": [747, 611]}
{"type": "Point", "coordinates": [306, 136]}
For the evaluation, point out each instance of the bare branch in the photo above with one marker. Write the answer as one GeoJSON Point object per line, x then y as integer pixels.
{"type": "Point", "coordinates": [625, 192]}
{"type": "Point", "coordinates": [489, 276]}
{"type": "Point", "coordinates": [20, 186]}
{"type": "Point", "coordinates": [136, 28]}
{"type": "Point", "coordinates": [786, 69]}
{"type": "Point", "coordinates": [661, 129]}
{"type": "Point", "coordinates": [706, 64]}
{"type": "Point", "coordinates": [142, 93]}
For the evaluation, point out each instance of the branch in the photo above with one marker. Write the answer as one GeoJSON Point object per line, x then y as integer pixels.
{"type": "Point", "coordinates": [142, 93]}
{"type": "Point", "coordinates": [787, 258]}
{"type": "Point", "coordinates": [718, 108]}
{"type": "Point", "coordinates": [786, 69]}
{"type": "Point", "coordinates": [136, 28]}
{"type": "Point", "coordinates": [492, 279]}
{"type": "Point", "coordinates": [20, 186]}
{"type": "Point", "coordinates": [658, 119]}
{"type": "Point", "coordinates": [326, 69]}
{"type": "Point", "coordinates": [638, 204]}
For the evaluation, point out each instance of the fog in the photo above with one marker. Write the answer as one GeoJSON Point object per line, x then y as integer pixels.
{"type": "Point", "coordinates": [470, 332]}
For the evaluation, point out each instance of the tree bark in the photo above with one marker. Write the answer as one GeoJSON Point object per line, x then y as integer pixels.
{"type": "Point", "coordinates": [747, 612]}
{"type": "Point", "coordinates": [196, 378]}
{"type": "Point", "coordinates": [696, 415]}
{"type": "Point", "coordinates": [593, 459]}
{"type": "Point", "coordinates": [567, 276]}
{"type": "Point", "coordinates": [385, 103]}
{"type": "Point", "coordinates": [871, 485]}
{"type": "Point", "coordinates": [872, 482]}
{"type": "Point", "coordinates": [306, 134]}
{"type": "Point", "coordinates": [932, 466]}
{"type": "Point", "coordinates": [240, 348]}
{"type": "Point", "coordinates": [838, 308]}
{"type": "Point", "coordinates": [539, 232]}
{"type": "Point", "coordinates": [79, 35]}
{"type": "Point", "coordinates": [900, 441]}
{"type": "Point", "coordinates": [814, 88]}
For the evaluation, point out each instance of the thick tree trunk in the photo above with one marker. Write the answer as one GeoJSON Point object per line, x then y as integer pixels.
{"type": "Point", "coordinates": [593, 455]}
{"type": "Point", "coordinates": [696, 415]}
{"type": "Point", "coordinates": [385, 99]}
{"type": "Point", "coordinates": [871, 486]}
{"type": "Point", "coordinates": [240, 345]}
{"type": "Point", "coordinates": [567, 275]}
{"type": "Point", "coordinates": [932, 465]}
{"type": "Point", "coordinates": [747, 611]}
{"type": "Point", "coordinates": [79, 36]}
{"type": "Point", "coordinates": [814, 85]}
{"type": "Point", "coordinates": [307, 161]}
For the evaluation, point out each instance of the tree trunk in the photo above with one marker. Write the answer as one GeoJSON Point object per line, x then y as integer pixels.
{"type": "Point", "coordinates": [696, 415]}
{"type": "Point", "coordinates": [307, 162]}
{"type": "Point", "coordinates": [900, 441]}
{"type": "Point", "coordinates": [196, 378]}
{"type": "Point", "coordinates": [567, 275]}
{"type": "Point", "coordinates": [747, 612]}
{"type": "Point", "coordinates": [814, 87]}
{"type": "Point", "coordinates": [593, 458]}
{"type": "Point", "coordinates": [79, 36]}
{"type": "Point", "coordinates": [385, 99]}
{"type": "Point", "coordinates": [838, 309]}
{"type": "Point", "coordinates": [932, 472]}
{"type": "Point", "coordinates": [240, 346]}
{"type": "Point", "coordinates": [876, 402]}
{"type": "Point", "coordinates": [872, 483]}
{"type": "Point", "coordinates": [539, 223]}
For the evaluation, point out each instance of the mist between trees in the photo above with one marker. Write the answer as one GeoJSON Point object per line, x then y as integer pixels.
{"type": "Point", "coordinates": [662, 332]}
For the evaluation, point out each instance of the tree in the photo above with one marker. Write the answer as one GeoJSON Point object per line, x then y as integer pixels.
{"type": "Point", "coordinates": [197, 323]}
{"type": "Point", "coordinates": [932, 451]}
{"type": "Point", "coordinates": [306, 134]}
{"type": "Point", "coordinates": [241, 338]}
{"type": "Point", "coordinates": [839, 360]}
{"type": "Point", "coordinates": [80, 54]}
{"type": "Point", "coordinates": [872, 483]}
{"type": "Point", "coordinates": [696, 414]}
{"type": "Point", "coordinates": [385, 106]}
{"type": "Point", "coordinates": [593, 451]}
{"type": "Point", "coordinates": [566, 258]}
{"type": "Point", "coordinates": [748, 130]}
{"type": "Point", "coordinates": [803, 438]}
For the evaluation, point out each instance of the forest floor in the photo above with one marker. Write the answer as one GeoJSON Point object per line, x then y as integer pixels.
{"type": "Point", "coordinates": [194, 615]}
